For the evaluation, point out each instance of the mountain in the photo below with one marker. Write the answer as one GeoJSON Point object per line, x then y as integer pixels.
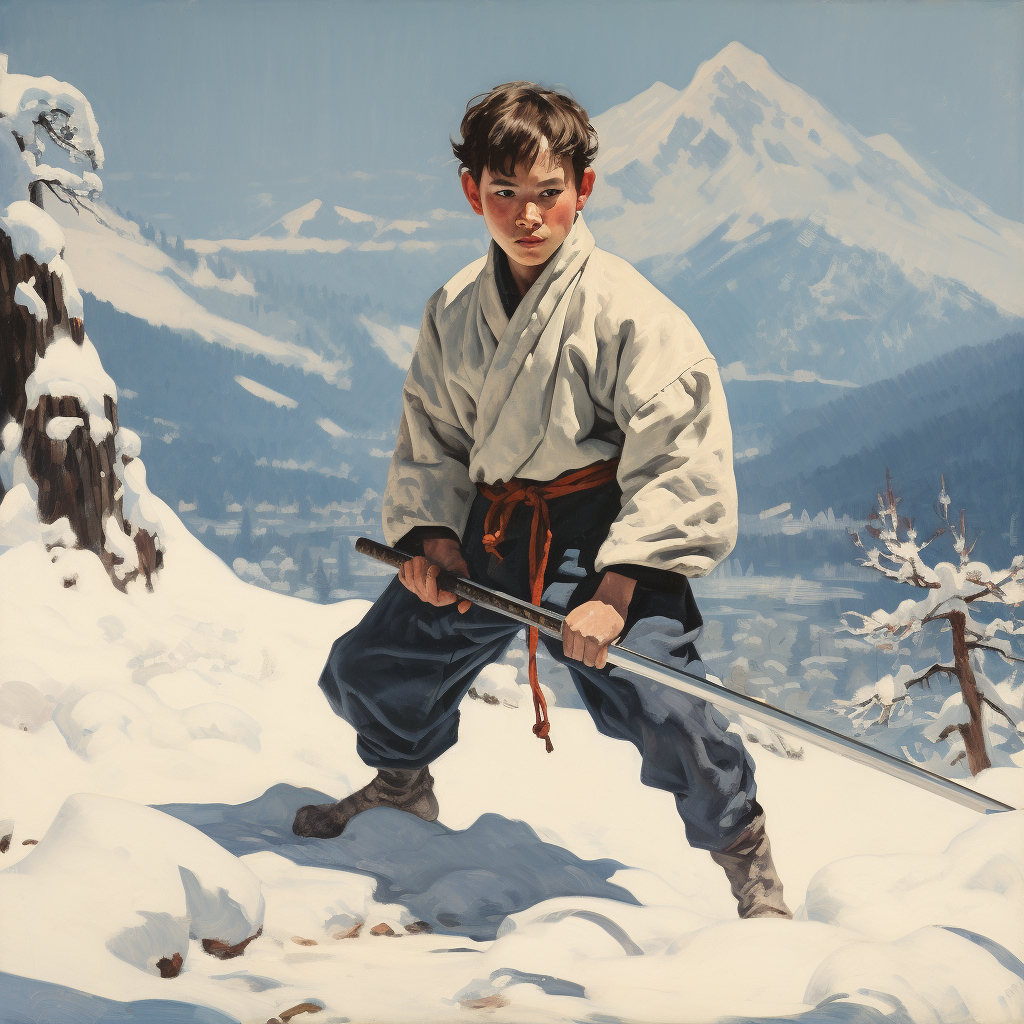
{"type": "Point", "coordinates": [959, 417]}
{"type": "Point", "coordinates": [797, 245]}
{"type": "Point", "coordinates": [395, 262]}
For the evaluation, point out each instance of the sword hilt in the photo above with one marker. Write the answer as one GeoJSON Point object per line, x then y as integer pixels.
{"type": "Point", "coordinates": [547, 622]}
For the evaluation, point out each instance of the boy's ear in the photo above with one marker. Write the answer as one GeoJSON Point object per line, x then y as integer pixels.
{"type": "Point", "coordinates": [586, 187]}
{"type": "Point", "coordinates": [472, 191]}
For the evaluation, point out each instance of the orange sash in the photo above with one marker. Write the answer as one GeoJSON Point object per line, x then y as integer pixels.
{"type": "Point", "coordinates": [504, 498]}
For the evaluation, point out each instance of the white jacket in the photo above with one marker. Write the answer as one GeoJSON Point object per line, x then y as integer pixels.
{"type": "Point", "coordinates": [595, 363]}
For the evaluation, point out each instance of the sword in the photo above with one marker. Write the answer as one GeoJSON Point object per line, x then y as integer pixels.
{"type": "Point", "coordinates": [550, 623]}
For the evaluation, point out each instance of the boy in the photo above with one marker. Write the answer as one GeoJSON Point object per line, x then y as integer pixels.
{"type": "Point", "coordinates": [565, 439]}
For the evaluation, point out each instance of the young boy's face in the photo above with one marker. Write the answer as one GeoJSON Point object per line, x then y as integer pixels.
{"type": "Point", "coordinates": [529, 212]}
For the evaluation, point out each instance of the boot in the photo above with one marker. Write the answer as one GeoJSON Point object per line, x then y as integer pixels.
{"type": "Point", "coordinates": [406, 789]}
{"type": "Point", "coordinates": [751, 872]}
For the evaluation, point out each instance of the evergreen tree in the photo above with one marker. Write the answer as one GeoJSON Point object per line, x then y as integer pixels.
{"type": "Point", "coordinates": [321, 584]}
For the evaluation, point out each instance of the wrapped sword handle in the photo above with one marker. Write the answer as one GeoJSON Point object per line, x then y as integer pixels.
{"type": "Point", "coordinates": [547, 622]}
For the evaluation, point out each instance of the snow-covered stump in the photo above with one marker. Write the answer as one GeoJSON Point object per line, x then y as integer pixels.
{"type": "Point", "coordinates": [58, 408]}
{"type": "Point", "coordinates": [114, 878]}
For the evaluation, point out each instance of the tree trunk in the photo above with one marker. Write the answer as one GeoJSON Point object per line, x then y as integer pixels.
{"type": "Point", "coordinates": [75, 477]}
{"type": "Point", "coordinates": [974, 732]}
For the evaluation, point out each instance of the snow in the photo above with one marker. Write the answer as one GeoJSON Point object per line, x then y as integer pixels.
{"type": "Point", "coordinates": [75, 370]}
{"type": "Point", "coordinates": [580, 897]}
{"type": "Point", "coordinates": [267, 394]}
{"type": "Point", "coordinates": [116, 887]}
{"type": "Point", "coordinates": [112, 262]}
{"type": "Point", "coordinates": [23, 98]}
{"type": "Point", "coordinates": [32, 231]}
{"type": "Point", "coordinates": [26, 295]}
{"type": "Point", "coordinates": [204, 277]}
{"type": "Point", "coordinates": [737, 371]}
{"type": "Point", "coordinates": [291, 222]}
{"type": "Point", "coordinates": [332, 428]}
{"type": "Point", "coordinates": [679, 165]}
{"type": "Point", "coordinates": [396, 343]}
{"type": "Point", "coordinates": [72, 296]}
{"type": "Point", "coordinates": [59, 428]}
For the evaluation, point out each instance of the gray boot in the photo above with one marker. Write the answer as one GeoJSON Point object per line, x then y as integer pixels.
{"type": "Point", "coordinates": [406, 789]}
{"type": "Point", "coordinates": [751, 872]}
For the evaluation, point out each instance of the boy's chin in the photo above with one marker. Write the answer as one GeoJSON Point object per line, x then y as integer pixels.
{"type": "Point", "coordinates": [528, 257]}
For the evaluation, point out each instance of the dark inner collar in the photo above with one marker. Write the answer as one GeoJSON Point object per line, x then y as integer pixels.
{"type": "Point", "coordinates": [508, 290]}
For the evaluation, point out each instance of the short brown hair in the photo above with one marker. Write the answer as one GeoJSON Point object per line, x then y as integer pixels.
{"type": "Point", "coordinates": [508, 125]}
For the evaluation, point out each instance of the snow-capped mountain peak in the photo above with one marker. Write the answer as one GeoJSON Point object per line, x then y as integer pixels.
{"type": "Point", "coordinates": [741, 147]}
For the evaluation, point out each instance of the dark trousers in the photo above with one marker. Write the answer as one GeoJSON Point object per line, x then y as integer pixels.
{"type": "Point", "coordinates": [399, 675]}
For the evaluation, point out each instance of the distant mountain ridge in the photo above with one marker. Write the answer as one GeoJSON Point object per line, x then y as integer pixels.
{"type": "Point", "coordinates": [795, 243]}
{"type": "Point", "coordinates": [960, 415]}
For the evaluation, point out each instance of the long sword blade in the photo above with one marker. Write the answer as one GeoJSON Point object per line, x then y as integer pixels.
{"type": "Point", "coordinates": [550, 623]}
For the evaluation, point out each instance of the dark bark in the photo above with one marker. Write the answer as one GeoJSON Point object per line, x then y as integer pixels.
{"type": "Point", "coordinates": [75, 477]}
{"type": "Point", "coordinates": [974, 731]}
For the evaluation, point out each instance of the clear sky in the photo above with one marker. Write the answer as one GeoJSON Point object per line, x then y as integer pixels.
{"type": "Point", "coordinates": [219, 115]}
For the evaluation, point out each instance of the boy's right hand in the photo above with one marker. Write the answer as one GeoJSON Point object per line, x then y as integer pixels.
{"type": "Point", "coordinates": [420, 573]}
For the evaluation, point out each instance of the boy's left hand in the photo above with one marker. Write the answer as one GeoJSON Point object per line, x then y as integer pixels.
{"type": "Point", "coordinates": [589, 629]}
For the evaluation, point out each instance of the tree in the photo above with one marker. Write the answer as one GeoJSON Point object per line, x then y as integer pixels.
{"type": "Point", "coordinates": [63, 455]}
{"type": "Point", "coordinates": [950, 591]}
{"type": "Point", "coordinates": [321, 584]}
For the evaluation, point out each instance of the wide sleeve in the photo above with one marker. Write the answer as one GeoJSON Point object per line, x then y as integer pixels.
{"type": "Point", "coordinates": [679, 507]}
{"type": "Point", "coordinates": [428, 482]}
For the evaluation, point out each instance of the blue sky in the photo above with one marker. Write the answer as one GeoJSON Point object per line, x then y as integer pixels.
{"type": "Point", "coordinates": [218, 115]}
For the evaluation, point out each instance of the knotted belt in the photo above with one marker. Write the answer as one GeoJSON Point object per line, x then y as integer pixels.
{"type": "Point", "coordinates": [504, 498]}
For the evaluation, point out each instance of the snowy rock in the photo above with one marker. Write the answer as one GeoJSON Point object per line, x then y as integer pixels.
{"type": "Point", "coordinates": [111, 877]}
{"type": "Point", "coordinates": [72, 370]}
{"type": "Point", "coordinates": [127, 443]}
{"type": "Point", "coordinates": [72, 296]}
{"type": "Point", "coordinates": [10, 448]}
{"type": "Point", "coordinates": [138, 504]}
{"type": "Point", "coordinates": [59, 428]}
{"type": "Point", "coordinates": [120, 544]}
{"type": "Point", "coordinates": [19, 518]}
{"type": "Point", "coordinates": [317, 903]}
{"type": "Point", "coordinates": [935, 975]}
{"type": "Point", "coordinates": [32, 231]}
{"type": "Point", "coordinates": [26, 295]}
{"type": "Point", "coordinates": [23, 707]}
{"type": "Point", "coordinates": [977, 884]}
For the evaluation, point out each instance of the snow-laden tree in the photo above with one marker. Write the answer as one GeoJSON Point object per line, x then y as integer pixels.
{"type": "Point", "coordinates": [64, 463]}
{"type": "Point", "coordinates": [950, 589]}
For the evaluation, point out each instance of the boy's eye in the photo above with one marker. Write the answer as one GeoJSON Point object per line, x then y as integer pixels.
{"type": "Point", "coordinates": [550, 193]}
{"type": "Point", "coordinates": [505, 193]}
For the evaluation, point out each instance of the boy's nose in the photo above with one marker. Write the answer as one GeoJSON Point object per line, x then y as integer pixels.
{"type": "Point", "coordinates": [530, 215]}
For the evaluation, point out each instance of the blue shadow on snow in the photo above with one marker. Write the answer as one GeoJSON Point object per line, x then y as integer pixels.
{"type": "Point", "coordinates": [461, 883]}
{"type": "Point", "coordinates": [27, 1001]}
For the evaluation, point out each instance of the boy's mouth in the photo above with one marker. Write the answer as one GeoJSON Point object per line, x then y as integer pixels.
{"type": "Point", "coordinates": [529, 242]}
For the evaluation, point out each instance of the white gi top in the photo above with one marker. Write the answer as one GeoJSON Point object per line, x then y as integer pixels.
{"type": "Point", "coordinates": [595, 363]}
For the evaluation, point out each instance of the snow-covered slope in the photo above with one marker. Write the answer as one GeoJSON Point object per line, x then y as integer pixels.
{"type": "Point", "coordinates": [202, 695]}
{"type": "Point", "coordinates": [114, 263]}
{"type": "Point", "coordinates": [741, 147]}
